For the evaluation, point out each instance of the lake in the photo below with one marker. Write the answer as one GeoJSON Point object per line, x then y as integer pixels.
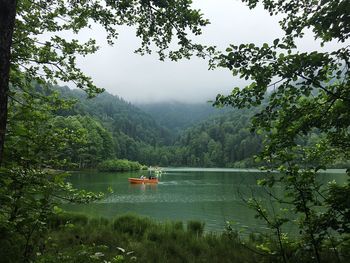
{"type": "Point", "coordinates": [213, 196]}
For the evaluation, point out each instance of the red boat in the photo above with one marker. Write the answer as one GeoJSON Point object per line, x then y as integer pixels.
{"type": "Point", "coordinates": [153, 180]}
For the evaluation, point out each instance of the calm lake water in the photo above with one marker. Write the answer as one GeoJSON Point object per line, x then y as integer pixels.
{"type": "Point", "coordinates": [213, 196]}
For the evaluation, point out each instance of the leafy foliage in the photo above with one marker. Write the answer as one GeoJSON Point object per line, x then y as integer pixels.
{"type": "Point", "coordinates": [28, 198]}
{"type": "Point", "coordinates": [307, 92]}
{"type": "Point", "coordinates": [36, 138]}
{"type": "Point", "coordinates": [119, 166]}
{"type": "Point", "coordinates": [41, 51]}
{"type": "Point", "coordinates": [96, 143]}
{"type": "Point", "coordinates": [29, 190]}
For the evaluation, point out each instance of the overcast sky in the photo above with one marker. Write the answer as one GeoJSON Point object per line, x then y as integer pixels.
{"type": "Point", "coordinates": [146, 79]}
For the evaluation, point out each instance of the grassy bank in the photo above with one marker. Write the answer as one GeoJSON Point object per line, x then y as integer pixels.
{"type": "Point", "coordinates": [76, 238]}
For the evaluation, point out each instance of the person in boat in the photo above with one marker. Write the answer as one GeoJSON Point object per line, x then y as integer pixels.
{"type": "Point", "coordinates": [142, 177]}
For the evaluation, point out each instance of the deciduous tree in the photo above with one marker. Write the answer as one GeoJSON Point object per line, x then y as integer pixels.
{"type": "Point", "coordinates": [305, 92]}
{"type": "Point", "coordinates": [32, 30]}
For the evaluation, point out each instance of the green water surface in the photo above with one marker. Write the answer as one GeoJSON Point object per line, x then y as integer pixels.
{"type": "Point", "coordinates": [213, 196]}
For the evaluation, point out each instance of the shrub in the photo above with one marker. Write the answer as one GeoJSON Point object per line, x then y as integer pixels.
{"type": "Point", "coordinates": [132, 225]}
{"type": "Point", "coordinates": [195, 227]}
{"type": "Point", "coordinates": [67, 218]}
{"type": "Point", "coordinates": [117, 165]}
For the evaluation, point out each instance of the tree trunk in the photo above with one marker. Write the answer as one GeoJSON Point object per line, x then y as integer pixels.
{"type": "Point", "coordinates": [7, 22]}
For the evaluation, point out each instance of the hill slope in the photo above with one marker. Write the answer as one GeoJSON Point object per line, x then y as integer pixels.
{"type": "Point", "coordinates": [177, 116]}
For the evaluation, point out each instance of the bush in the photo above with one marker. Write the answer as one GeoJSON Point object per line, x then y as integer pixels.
{"type": "Point", "coordinates": [118, 166]}
{"type": "Point", "coordinates": [195, 227]}
{"type": "Point", "coordinates": [132, 225]}
{"type": "Point", "coordinates": [62, 219]}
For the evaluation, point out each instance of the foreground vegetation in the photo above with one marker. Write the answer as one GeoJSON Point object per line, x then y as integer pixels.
{"type": "Point", "coordinates": [128, 238]}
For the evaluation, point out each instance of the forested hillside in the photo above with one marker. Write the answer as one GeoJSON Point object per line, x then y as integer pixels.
{"type": "Point", "coordinates": [175, 135]}
{"type": "Point", "coordinates": [117, 129]}
{"type": "Point", "coordinates": [89, 130]}
{"type": "Point", "coordinates": [221, 141]}
{"type": "Point", "coordinates": [129, 128]}
{"type": "Point", "coordinates": [178, 116]}
{"type": "Point", "coordinates": [118, 116]}
{"type": "Point", "coordinates": [107, 127]}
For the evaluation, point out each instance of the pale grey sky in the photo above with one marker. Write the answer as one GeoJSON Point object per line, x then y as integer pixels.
{"type": "Point", "coordinates": [146, 79]}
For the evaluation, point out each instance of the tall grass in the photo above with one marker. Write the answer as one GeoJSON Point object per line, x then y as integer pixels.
{"type": "Point", "coordinates": [129, 238]}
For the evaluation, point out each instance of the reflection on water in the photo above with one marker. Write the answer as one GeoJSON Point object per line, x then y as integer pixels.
{"type": "Point", "coordinates": [213, 196]}
{"type": "Point", "coordinates": [143, 187]}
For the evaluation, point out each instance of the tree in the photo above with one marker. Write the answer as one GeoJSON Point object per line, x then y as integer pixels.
{"type": "Point", "coordinates": [7, 21]}
{"type": "Point", "coordinates": [24, 24]}
{"type": "Point", "coordinates": [28, 192]}
{"type": "Point", "coordinates": [40, 54]}
{"type": "Point", "coordinates": [34, 139]}
{"type": "Point", "coordinates": [301, 92]}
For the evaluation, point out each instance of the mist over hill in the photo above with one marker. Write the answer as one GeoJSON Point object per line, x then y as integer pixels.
{"type": "Point", "coordinates": [178, 116]}
{"type": "Point", "coordinates": [118, 115]}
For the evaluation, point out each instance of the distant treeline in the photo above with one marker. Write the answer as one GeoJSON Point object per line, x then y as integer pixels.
{"type": "Point", "coordinates": [109, 128]}
{"type": "Point", "coordinates": [223, 141]}
{"type": "Point", "coordinates": [119, 166]}
{"type": "Point", "coordinates": [113, 128]}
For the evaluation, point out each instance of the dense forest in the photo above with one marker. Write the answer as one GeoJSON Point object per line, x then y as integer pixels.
{"type": "Point", "coordinates": [114, 128]}
{"type": "Point", "coordinates": [174, 134]}
{"type": "Point", "coordinates": [178, 116]}
{"type": "Point", "coordinates": [107, 127]}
